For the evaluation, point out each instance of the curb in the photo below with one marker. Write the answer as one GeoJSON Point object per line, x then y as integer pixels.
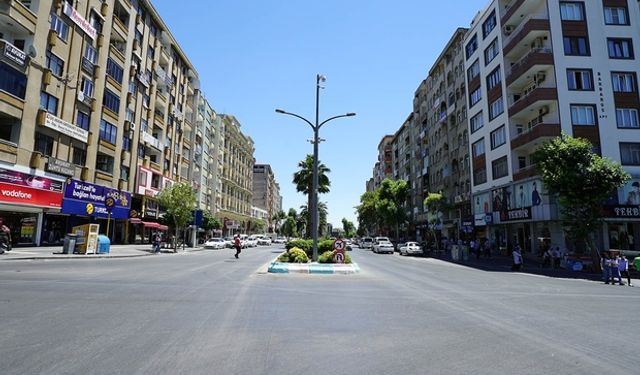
{"type": "Point", "coordinates": [91, 256]}
{"type": "Point", "coordinates": [313, 268]}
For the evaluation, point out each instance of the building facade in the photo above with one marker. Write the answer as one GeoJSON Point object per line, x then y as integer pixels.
{"type": "Point", "coordinates": [536, 69]}
{"type": "Point", "coordinates": [266, 193]}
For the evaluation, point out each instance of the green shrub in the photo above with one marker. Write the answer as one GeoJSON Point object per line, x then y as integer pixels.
{"type": "Point", "coordinates": [294, 255]}
{"type": "Point", "coordinates": [327, 257]}
{"type": "Point", "coordinates": [306, 245]}
{"type": "Point", "coordinates": [324, 246]}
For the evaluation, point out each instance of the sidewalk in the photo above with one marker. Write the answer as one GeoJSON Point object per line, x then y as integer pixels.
{"type": "Point", "coordinates": [116, 251]}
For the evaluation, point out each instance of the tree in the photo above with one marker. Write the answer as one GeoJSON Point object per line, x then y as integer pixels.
{"type": "Point", "coordinates": [179, 201]}
{"type": "Point", "coordinates": [368, 217]}
{"type": "Point", "coordinates": [582, 180]}
{"type": "Point", "coordinates": [392, 197]}
{"type": "Point", "coordinates": [322, 214]}
{"type": "Point", "coordinates": [348, 227]}
{"type": "Point", "coordinates": [303, 179]}
{"type": "Point", "coordinates": [277, 218]}
{"type": "Point", "coordinates": [435, 203]}
{"type": "Point", "coordinates": [257, 225]}
{"type": "Point", "coordinates": [210, 222]}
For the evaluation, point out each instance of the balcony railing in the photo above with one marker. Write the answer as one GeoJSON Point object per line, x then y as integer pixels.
{"type": "Point", "coordinates": [537, 131]}
{"type": "Point", "coordinates": [535, 56]}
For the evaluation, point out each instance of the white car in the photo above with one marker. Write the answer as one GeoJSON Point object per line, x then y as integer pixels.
{"type": "Point", "coordinates": [215, 243]}
{"type": "Point", "coordinates": [366, 243]}
{"type": "Point", "coordinates": [410, 248]}
{"type": "Point", "coordinates": [383, 247]}
{"type": "Point", "coordinates": [252, 241]}
{"type": "Point", "coordinates": [264, 240]}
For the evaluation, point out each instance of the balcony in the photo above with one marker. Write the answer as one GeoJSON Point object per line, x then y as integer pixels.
{"type": "Point", "coordinates": [537, 59]}
{"type": "Point", "coordinates": [19, 15]}
{"type": "Point", "coordinates": [519, 7]}
{"type": "Point", "coordinates": [120, 27]}
{"type": "Point", "coordinates": [525, 36]}
{"type": "Point", "coordinates": [524, 173]}
{"type": "Point", "coordinates": [539, 133]}
{"type": "Point", "coordinates": [537, 96]}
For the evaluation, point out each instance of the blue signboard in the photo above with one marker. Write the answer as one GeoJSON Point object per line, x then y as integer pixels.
{"type": "Point", "coordinates": [84, 198]}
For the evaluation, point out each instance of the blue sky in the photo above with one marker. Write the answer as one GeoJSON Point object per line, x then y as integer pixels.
{"type": "Point", "coordinates": [256, 56]}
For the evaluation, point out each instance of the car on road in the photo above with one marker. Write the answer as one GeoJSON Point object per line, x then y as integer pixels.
{"type": "Point", "coordinates": [264, 240]}
{"type": "Point", "coordinates": [366, 243]}
{"type": "Point", "coordinates": [383, 246]}
{"type": "Point", "coordinates": [410, 248]}
{"type": "Point", "coordinates": [215, 243]}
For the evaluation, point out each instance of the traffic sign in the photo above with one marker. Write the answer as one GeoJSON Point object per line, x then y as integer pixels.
{"type": "Point", "coordinates": [109, 203]}
{"type": "Point", "coordinates": [339, 258]}
{"type": "Point", "coordinates": [338, 245]}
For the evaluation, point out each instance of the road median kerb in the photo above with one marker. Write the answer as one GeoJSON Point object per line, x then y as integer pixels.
{"type": "Point", "coordinates": [313, 268]}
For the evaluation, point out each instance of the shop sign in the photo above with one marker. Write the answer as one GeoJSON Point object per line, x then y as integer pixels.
{"type": "Point", "coordinates": [623, 211]}
{"type": "Point", "coordinates": [80, 21]}
{"type": "Point", "coordinates": [28, 180]}
{"type": "Point", "coordinates": [60, 166]}
{"type": "Point", "coordinates": [66, 128]}
{"type": "Point", "coordinates": [488, 218]}
{"type": "Point", "coordinates": [15, 54]}
{"type": "Point", "coordinates": [478, 220]}
{"type": "Point", "coordinates": [523, 213]}
{"type": "Point", "coordinates": [83, 198]}
{"type": "Point", "coordinates": [24, 195]}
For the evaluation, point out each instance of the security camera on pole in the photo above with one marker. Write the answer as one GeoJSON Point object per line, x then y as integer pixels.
{"type": "Point", "coordinates": [316, 141]}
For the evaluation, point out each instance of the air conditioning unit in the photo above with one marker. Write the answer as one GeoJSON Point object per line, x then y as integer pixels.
{"type": "Point", "coordinates": [507, 29]}
{"type": "Point", "coordinates": [543, 110]}
{"type": "Point", "coordinates": [519, 128]}
{"type": "Point", "coordinates": [540, 77]}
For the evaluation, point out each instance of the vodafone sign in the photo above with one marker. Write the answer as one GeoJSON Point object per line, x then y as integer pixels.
{"type": "Point", "coordinates": [29, 196]}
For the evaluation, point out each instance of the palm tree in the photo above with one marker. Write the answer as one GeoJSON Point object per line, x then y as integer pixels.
{"type": "Point", "coordinates": [303, 179]}
{"type": "Point", "coordinates": [322, 213]}
{"type": "Point", "coordinates": [277, 218]}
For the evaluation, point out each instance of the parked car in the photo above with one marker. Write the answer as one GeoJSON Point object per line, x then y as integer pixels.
{"type": "Point", "coordinates": [215, 243]}
{"type": "Point", "coordinates": [366, 243]}
{"type": "Point", "coordinates": [383, 247]}
{"type": "Point", "coordinates": [410, 248]}
{"type": "Point", "coordinates": [264, 240]}
{"type": "Point", "coordinates": [252, 241]}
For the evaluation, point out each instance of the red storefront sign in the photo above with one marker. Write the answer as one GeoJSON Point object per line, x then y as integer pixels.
{"type": "Point", "coordinates": [29, 196]}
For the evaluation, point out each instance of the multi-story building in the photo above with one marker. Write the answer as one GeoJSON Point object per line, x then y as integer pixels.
{"type": "Point", "coordinates": [95, 103]}
{"type": "Point", "coordinates": [236, 176]}
{"type": "Point", "coordinates": [537, 68]}
{"type": "Point", "coordinates": [207, 137]}
{"type": "Point", "coordinates": [266, 193]}
{"type": "Point", "coordinates": [384, 166]}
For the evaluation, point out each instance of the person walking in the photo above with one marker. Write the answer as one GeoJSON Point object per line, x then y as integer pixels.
{"type": "Point", "coordinates": [156, 243]}
{"type": "Point", "coordinates": [556, 256]}
{"type": "Point", "coordinates": [615, 272]}
{"type": "Point", "coordinates": [517, 259]}
{"type": "Point", "coordinates": [237, 244]}
{"type": "Point", "coordinates": [623, 266]}
{"type": "Point", "coordinates": [487, 248]}
{"type": "Point", "coordinates": [546, 258]}
{"type": "Point", "coordinates": [5, 237]}
{"type": "Point", "coordinates": [605, 264]}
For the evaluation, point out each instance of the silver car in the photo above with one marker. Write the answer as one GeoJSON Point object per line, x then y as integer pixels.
{"type": "Point", "coordinates": [383, 247]}
{"type": "Point", "coordinates": [410, 248]}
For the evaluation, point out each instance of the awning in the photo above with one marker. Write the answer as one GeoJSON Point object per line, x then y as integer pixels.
{"type": "Point", "coordinates": [134, 220]}
{"type": "Point", "coordinates": [163, 227]}
{"type": "Point", "coordinates": [150, 224]}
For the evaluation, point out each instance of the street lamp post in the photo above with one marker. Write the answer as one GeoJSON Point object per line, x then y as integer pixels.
{"type": "Point", "coordinates": [316, 140]}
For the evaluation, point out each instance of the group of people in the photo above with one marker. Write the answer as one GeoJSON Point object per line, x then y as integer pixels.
{"type": "Point", "coordinates": [614, 266]}
{"type": "Point", "coordinates": [552, 257]}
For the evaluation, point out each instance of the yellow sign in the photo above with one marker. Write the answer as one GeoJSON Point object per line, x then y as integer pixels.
{"type": "Point", "coordinates": [89, 208]}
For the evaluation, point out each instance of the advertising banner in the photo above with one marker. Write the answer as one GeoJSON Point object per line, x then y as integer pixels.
{"type": "Point", "coordinates": [84, 198]}
{"type": "Point", "coordinates": [24, 179]}
{"type": "Point", "coordinates": [29, 196]}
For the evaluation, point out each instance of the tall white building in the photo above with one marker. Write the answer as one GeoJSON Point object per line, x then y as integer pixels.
{"type": "Point", "coordinates": [537, 68]}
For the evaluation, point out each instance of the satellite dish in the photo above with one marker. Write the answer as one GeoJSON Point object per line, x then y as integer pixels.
{"type": "Point", "coordinates": [33, 52]}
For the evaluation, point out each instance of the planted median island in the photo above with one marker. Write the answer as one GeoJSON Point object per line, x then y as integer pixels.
{"type": "Point", "coordinates": [297, 258]}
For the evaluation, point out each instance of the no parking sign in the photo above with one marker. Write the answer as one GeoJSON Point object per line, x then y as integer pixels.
{"type": "Point", "coordinates": [338, 246]}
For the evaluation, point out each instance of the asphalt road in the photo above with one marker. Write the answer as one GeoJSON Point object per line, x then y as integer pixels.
{"type": "Point", "coordinates": [208, 313]}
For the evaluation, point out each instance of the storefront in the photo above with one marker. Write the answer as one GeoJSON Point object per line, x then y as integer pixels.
{"type": "Point", "coordinates": [86, 203]}
{"type": "Point", "coordinates": [24, 200]}
{"type": "Point", "coordinates": [622, 224]}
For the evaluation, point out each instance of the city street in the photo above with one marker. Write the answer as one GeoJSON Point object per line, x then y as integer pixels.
{"type": "Point", "coordinates": [205, 312]}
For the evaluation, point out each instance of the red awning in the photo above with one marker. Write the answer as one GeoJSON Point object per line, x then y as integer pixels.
{"type": "Point", "coordinates": [150, 224]}
{"type": "Point", "coordinates": [163, 227]}
{"type": "Point", "coordinates": [134, 220]}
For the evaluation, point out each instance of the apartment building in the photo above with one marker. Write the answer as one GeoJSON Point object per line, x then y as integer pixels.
{"type": "Point", "coordinates": [383, 168]}
{"type": "Point", "coordinates": [236, 176]}
{"type": "Point", "coordinates": [537, 68]}
{"type": "Point", "coordinates": [266, 193]}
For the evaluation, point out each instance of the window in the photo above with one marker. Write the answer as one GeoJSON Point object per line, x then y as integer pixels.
{"type": "Point", "coordinates": [124, 173]}
{"type": "Point", "coordinates": [79, 156]}
{"type": "Point", "coordinates": [111, 101]}
{"type": "Point", "coordinates": [479, 176]}
{"type": "Point", "coordinates": [142, 178]}
{"type": "Point", "coordinates": [43, 144]}
{"type": "Point", "coordinates": [12, 81]}
{"type": "Point", "coordinates": [95, 21]}
{"type": "Point", "coordinates": [104, 163]}
{"type": "Point", "coordinates": [114, 70]}
{"type": "Point", "coordinates": [489, 24]}
{"type": "Point", "coordinates": [61, 28]}
{"type": "Point", "coordinates": [498, 137]}
{"type": "Point", "coordinates": [473, 71]}
{"type": "Point", "coordinates": [496, 108]}
{"type": "Point", "coordinates": [476, 122]}
{"type": "Point", "coordinates": [627, 117]}
{"type": "Point", "coordinates": [150, 52]}
{"type": "Point", "coordinates": [500, 168]}
{"type": "Point", "coordinates": [141, 151]}
{"type": "Point", "coordinates": [87, 87]}
{"type": "Point", "coordinates": [477, 148]}
{"type": "Point", "coordinates": [82, 120]}
{"type": "Point", "coordinates": [576, 46]}
{"type": "Point", "coordinates": [494, 78]}
{"type": "Point", "coordinates": [126, 142]}
{"type": "Point", "coordinates": [616, 16]}
{"type": "Point", "coordinates": [108, 132]}
{"type": "Point", "coordinates": [54, 63]}
{"type": "Point", "coordinates": [491, 52]}
{"type": "Point", "coordinates": [472, 46]}
{"type": "Point", "coordinates": [620, 48]}
{"type": "Point", "coordinates": [90, 53]}
{"type": "Point", "coordinates": [629, 153]}
{"type": "Point", "coordinates": [580, 79]}
{"type": "Point", "coordinates": [571, 11]}
{"type": "Point", "coordinates": [48, 102]}
{"type": "Point", "coordinates": [624, 82]}
{"type": "Point", "coordinates": [475, 97]}
{"type": "Point", "coordinates": [583, 115]}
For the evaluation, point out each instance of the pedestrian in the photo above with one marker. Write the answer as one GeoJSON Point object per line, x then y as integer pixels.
{"type": "Point", "coordinates": [156, 242]}
{"type": "Point", "coordinates": [605, 264]}
{"type": "Point", "coordinates": [5, 237]}
{"type": "Point", "coordinates": [546, 258]}
{"type": "Point", "coordinates": [517, 259]}
{"type": "Point", "coordinates": [614, 270]}
{"type": "Point", "coordinates": [556, 256]}
{"type": "Point", "coordinates": [623, 266]}
{"type": "Point", "coordinates": [237, 244]}
{"type": "Point", "coordinates": [476, 248]}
